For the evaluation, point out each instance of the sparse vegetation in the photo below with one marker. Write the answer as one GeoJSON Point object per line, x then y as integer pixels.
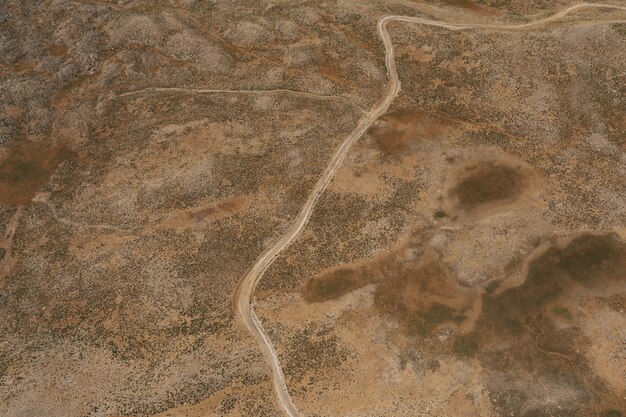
{"type": "Point", "coordinates": [127, 220]}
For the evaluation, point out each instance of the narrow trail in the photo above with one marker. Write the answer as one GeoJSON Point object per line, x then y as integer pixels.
{"type": "Point", "coordinates": [6, 243]}
{"type": "Point", "coordinates": [243, 293]}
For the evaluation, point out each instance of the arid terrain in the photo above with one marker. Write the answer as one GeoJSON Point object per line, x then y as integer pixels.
{"type": "Point", "coordinates": [312, 208]}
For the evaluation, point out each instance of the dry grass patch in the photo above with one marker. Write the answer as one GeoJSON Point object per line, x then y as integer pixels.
{"type": "Point", "coordinates": [333, 284]}
{"type": "Point", "coordinates": [422, 295]}
{"type": "Point", "coordinates": [394, 135]}
{"type": "Point", "coordinates": [26, 167]}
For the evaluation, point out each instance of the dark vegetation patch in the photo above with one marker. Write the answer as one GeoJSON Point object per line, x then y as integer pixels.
{"type": "Point", "coordinates": [591, 258]}
{"type": "Point", "coordinates": [398, 130]}
{"type": "Point", "coordinates": [526, 332]}
{"type": "Point", "coordinates": [562, 311]}
{"type": "Point", "coordinates": [516, 329]}
{"type": "Point", "coordinates": [590, 261]}
{"type": "Point", "coordinates": [492, 287]}
{"type": "Point", "coordinates": [421, 296]}
{"type": "Point", "coordinates": [487, 182]}
{"type": "Point", "coordinates": [333, 285]}
{"type": "Point", "coordinates": [25, 169]}
{"type": "Point", "coordinates": [465, 345]}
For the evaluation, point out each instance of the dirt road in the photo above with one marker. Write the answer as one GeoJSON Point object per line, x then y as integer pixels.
{"type": "Point", "coordinates": [245, 289]}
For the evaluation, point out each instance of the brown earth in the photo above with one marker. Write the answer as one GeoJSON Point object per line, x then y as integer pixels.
{"type": "Point", "coordinates": [467, 259]}
{"type": "Point", "coordinates": [25, 168]}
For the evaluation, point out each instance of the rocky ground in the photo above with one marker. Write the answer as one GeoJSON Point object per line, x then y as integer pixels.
{"type": "Point", "coordinates": [467, 259]}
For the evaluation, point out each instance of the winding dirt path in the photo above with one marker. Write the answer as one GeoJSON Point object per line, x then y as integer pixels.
{"type": "Point", "coordinates": [243, 294]}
